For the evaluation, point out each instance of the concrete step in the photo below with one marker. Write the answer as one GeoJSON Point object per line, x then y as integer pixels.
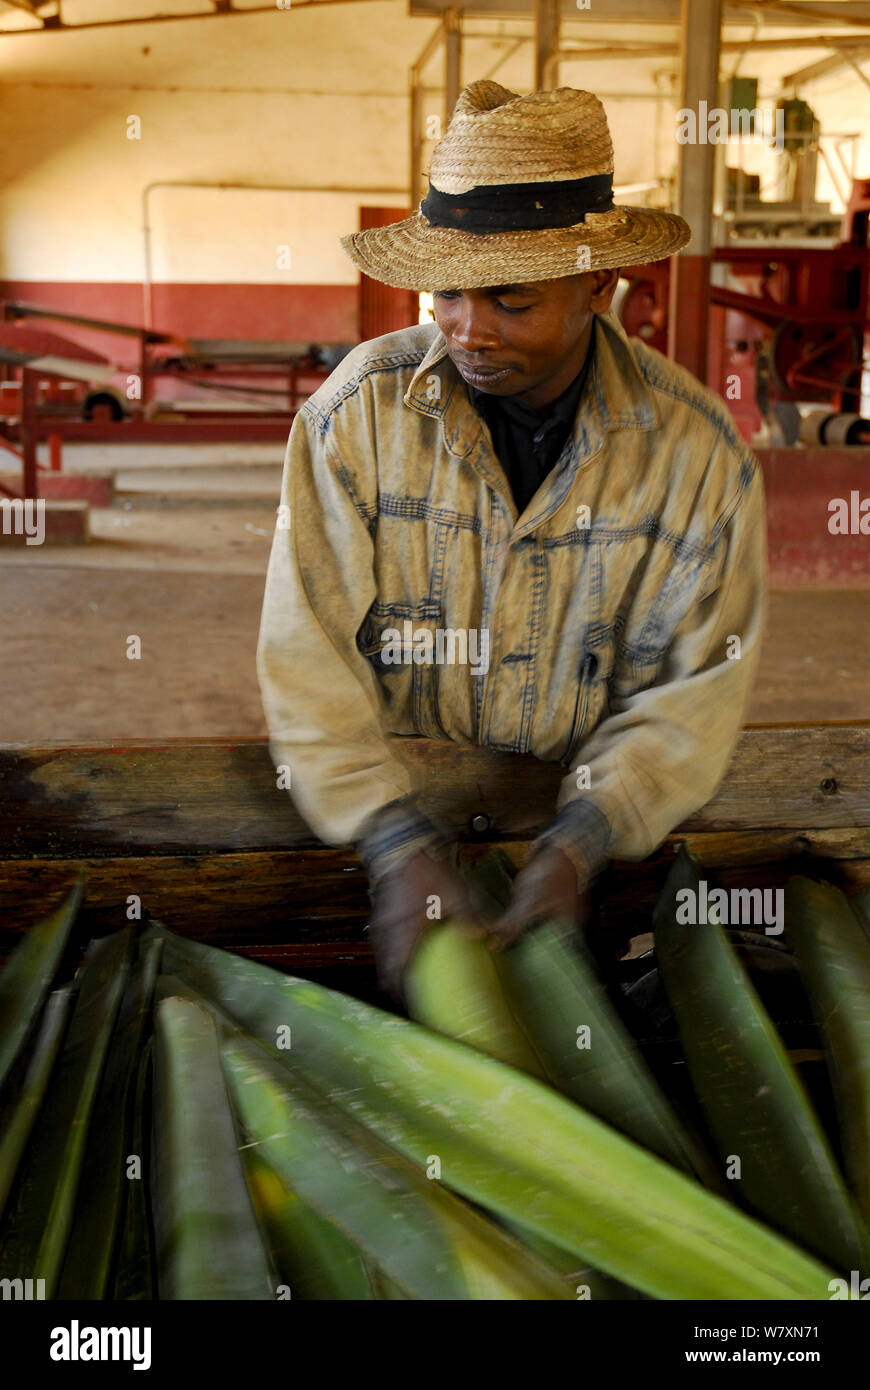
{"type": "Point", "coordinates": [99, 458]}
{"type": "Point", "coordinates": [221, 480]}
{"type": "Point", "coordinates": [32, 523]}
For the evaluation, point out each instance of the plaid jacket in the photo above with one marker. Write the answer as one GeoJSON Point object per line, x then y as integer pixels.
{"type": "Point", "coordinates": [623, 610]}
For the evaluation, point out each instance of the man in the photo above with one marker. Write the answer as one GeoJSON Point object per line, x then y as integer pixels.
{"type": "Point", "coordinates": [580, 509]}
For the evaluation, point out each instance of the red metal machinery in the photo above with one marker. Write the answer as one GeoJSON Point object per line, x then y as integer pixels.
{"type": "Point", "coordinates": [237, 369]}
{"type": "Point", "coordinates": [795, 328]}
{"type": "Point", "coordinates": [56, 389]}
{"type": "Point", "coordinates": [52, 372]}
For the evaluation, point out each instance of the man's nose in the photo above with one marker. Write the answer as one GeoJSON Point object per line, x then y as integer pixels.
{"type": "Point", "coordinates": [474, 330]}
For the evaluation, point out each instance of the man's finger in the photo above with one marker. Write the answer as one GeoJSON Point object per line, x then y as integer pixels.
{"type": "Point", "coordinates": [455, 902]}
{"type": "Point", "coordinates": [394, 946]}
{"type": "Point", "coordinates": [391, 958]}
{"type": "Point", "coordinates": [468, 918]}
{"type": "Point", "coordinates": [528, 906]}
{"type": "Point", "coordinates": [511, 924]}
{"type": "Point", "coordinates": [473, 927]}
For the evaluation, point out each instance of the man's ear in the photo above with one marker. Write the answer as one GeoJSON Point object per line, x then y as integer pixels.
{"type": "Point", "coordinates": [603, 290]}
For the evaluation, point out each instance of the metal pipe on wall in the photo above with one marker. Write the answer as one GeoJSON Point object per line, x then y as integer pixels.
{"type": "Point", "coordinates": [147, 277]}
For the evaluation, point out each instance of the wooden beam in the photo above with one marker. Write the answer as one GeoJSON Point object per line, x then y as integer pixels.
{"type": "Point", "coordinates": [308, 908]}
{"type": "Point", "coordinates": [210, 795]}
{"type": "Point", "coordinates": [200, 835]}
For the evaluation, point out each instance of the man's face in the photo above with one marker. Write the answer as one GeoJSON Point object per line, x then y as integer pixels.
{"type": "Point", "coordinates": [524, 340]}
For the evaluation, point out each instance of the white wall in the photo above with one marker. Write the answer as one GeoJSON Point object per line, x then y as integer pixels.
{"type": "Point", "coordinates": [292, 99]}
{"type": "Point", "coordinates": [311, 98]}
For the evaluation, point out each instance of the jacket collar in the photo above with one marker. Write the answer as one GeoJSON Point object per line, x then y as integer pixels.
{"type": "Point", "coordinates": [615, 397]}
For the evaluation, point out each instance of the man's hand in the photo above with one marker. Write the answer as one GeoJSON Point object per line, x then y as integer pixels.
{"type": "Point", "coordinates": [547, 888]}
{"type": "Point", "coordinates": [399, 918]}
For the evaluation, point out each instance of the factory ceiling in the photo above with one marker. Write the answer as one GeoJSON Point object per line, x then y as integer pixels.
{"type": "Point", "coordinates": [162, 45]}
{"type": "Point", "coordinates": [55, 16]}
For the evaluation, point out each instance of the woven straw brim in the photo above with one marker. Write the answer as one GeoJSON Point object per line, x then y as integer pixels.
{"type": "Point", "coordinates": [414, 255]}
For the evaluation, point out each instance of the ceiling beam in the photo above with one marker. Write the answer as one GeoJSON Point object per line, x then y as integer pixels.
{"type": "Point", "coordinates": [800, 13]}
{"type": "Point", "coordinates": [834, 61]}
{"type": "Point", "coordinates": [847, 49]}
{"type": "Point", "coordinates": [863, 76]}
{"type": "Point", "coordinates": [53, 24]}
{"type": "Point", "coordinates": [850, 14]}
{"type": "Point", "coordinates": [26, 7]}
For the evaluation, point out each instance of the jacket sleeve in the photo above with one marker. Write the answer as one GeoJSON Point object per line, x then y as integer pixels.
{"type": "Point", "coordinates": [659, 755]}
{"type": "Point", "coordinates": [320, 695]}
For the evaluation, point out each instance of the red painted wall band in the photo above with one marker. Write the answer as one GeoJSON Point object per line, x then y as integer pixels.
{"type": "Point", "coordinates": [313, 313]}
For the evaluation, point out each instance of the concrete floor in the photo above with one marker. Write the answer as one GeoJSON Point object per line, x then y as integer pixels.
{"type": "Point", "coordinates": [187, 578]}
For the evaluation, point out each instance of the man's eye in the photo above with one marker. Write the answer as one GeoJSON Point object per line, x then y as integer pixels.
{"type": "Point", "coordinates": [446, 294]}
{"type": "Point", "coordinates": [509, 310]}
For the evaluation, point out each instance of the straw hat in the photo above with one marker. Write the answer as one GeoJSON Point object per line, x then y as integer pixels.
{"type": "Point", "coordinates": [520, 189]}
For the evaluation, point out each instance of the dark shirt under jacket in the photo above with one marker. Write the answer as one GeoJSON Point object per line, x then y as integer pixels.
{"type": "Point", "coordinates": [528, 443]}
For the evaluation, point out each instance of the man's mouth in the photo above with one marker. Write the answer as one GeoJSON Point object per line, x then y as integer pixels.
{"type": "Point", "coordinates": [481, 375]}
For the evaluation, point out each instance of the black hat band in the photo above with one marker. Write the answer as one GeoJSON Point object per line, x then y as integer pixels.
{"type": "Point", "coordinates": [519, 206]}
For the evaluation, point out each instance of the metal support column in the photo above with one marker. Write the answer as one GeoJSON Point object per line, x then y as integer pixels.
{"type": "Point", "coordinates": [690, 279]}
{"type": "Point", "coordinates": [416, 90]}
{"type": "Point", "coordinates": [452, 62]}
{"type": "Point", "coordinates": [546, 43]}
{"type": "Point", "coordinates": [416, 138]}
{"type": "Point", "coordinates": [28, 434]}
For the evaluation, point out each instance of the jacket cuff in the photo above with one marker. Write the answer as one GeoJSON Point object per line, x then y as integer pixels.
{"type": "Point", "coordinates": [395, 833]}
{"type": "Point", "coordinates": [581, 831]}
